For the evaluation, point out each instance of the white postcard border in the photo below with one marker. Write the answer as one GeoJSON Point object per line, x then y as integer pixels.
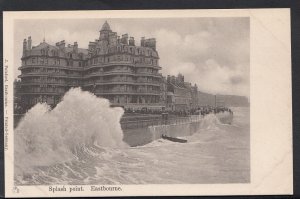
{"type": "Point", "coordinates": [270, 109]}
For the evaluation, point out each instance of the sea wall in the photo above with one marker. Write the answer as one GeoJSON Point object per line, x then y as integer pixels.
{"type": "Point", "coordinates": [177, 130]}
{"type": "Point", "coordinates": [194, 125]}
{"type": "Point", "coordinates": [174, 130]}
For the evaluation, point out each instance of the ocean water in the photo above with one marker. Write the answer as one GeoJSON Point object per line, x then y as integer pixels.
{"type": "Point", "coordinates": [81, 142]}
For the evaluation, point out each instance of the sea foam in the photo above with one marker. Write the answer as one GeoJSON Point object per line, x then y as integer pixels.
{"type": "Point", "coordinates": [45, 137]}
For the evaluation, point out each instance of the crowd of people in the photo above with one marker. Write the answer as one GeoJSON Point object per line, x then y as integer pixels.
{"type": "Point", "coordinates": [209, 109]}
{"type": "Point", "coordinates": [204, 110]}
{"type": "Point", "coordinates": [184, 112]}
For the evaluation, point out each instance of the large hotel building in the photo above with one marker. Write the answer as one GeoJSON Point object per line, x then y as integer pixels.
{"type": "Point", "coordinates": [112, 67]}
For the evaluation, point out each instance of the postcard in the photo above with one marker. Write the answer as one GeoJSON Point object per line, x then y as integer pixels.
{"type": "Point", "coordinates": [147, 103]}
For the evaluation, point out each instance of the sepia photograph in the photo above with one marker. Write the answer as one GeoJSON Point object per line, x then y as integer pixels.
{"type": "Point", "coordinates": [131, 101]}
{"type": "Point", "coordinates": [106, 101]}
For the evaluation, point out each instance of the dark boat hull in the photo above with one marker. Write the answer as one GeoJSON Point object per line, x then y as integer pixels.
{"type": "Point", "coordinates": [173, 139]}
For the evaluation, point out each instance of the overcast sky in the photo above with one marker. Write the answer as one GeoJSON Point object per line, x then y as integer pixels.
{"type": "Point", "coordinates": [214, 53]}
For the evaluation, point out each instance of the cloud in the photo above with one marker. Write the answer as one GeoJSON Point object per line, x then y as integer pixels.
{"type": "Point", "coordinates": [214, 53]}
{"type": "Point", "coordinates": [82, 37]}
{"type": "Point", "coordinates": [205, 58]}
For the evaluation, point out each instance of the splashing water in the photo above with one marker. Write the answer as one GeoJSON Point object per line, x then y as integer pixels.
{"type": "Point", "coordinates": [210, 122]}
{"type": "Point", "coordinates": [46, 136]}
{"type": "Point", "coordinates": [80, 142]}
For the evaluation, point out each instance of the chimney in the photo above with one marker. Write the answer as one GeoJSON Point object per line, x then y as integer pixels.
{"type": "Point", "coordinates": [75, 47]}
{"type": "Point", "coordinates": [151, 43]}
{"type": "Point", "coordinates": [92, 46]}
{"type": "Point", "coordinates": [143, 41]}
{"type": "Point", "coordinates": [124, 39]}
{"type": "Point", "coordinates": [131, 41]}
{"type": "Point", "coordinates": [29, 43]}
{"type": "Point", "coordinates": [61, 44]}
{"type": "Point", "coordinates": [24, 46]}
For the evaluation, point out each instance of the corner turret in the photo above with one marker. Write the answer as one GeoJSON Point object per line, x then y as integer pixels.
{"type": "Point", "coordinates": [104, 32]}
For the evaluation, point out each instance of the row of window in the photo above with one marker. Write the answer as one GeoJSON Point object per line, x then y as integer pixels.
{"type": "Point", "coordinates": [93, 61]}
{"type": "Point", "coordinates": [45, 88]}
{"type": "Point", "coordinates": [56, 53]}
{"type": "Point", "coordinates": [141, 89]}
{"type": "Point", "coordinates": [133, 99]}
{"type": "Point", "coordinates": [123, 48]}
{"type": "Point", "coordinates": [124, 69]}
{"type": "Point", "coordinates": [50, 71]}
{"type": "Point", "coordinates": [52, 61]}
{"type": "Point", "coordinates": [127, 58]}
{"type": "Point", "coordinates": [43, 98]}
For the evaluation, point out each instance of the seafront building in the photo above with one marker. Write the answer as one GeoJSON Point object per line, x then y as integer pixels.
{"type": "Point", "coordinates": [181, 95]}
{"type": "Point", "coordinates": [112, 67]}
{"type": "Point", "coordinates": [48, 71]}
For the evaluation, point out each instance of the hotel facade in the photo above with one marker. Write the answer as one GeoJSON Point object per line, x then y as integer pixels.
{"type": "Point", "coordinates": [112, 67]}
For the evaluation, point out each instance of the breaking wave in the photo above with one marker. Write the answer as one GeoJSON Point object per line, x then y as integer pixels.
{"type": "Point", "coordinates": [80, 141]}
{"type": "Point", "coordinates": [196, 125]}
{"type": "Point", "coordinates": [45, 137]}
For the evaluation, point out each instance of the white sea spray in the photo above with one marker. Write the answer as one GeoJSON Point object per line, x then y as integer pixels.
{"type": "Point", "coordinates": [81, 119]}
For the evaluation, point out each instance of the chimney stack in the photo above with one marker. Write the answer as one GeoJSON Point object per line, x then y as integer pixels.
{"type": "Point", "coordinates": [24, 46]}
{"type": "Point", "coordinates": [131, 41]}
{"type": "Point", "coordinates": [75, 47]}
{"type": "Point", "coordinates": [143, 41]}
{"type": "Point", "coordinates": [124, 39]}
{"type": "Point", "coordinates": [61, 44]}
{"type": "Point", "coordinates": [29, 43]}
{"type": "Point", "coordinates": [151, 43]}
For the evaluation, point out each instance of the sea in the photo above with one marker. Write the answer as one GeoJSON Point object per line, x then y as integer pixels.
{"type": "Point", "coordinates": [80, 142]}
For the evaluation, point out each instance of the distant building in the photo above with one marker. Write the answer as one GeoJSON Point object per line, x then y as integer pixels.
{"type": "Point", "coordinates": [182, 96]}
{"type": "Point", "coordinates": [164, 91]}
{"type": "Point", "coordinates": [112, 67]}
{"type": "Point", "coordinates": [195, 97]}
